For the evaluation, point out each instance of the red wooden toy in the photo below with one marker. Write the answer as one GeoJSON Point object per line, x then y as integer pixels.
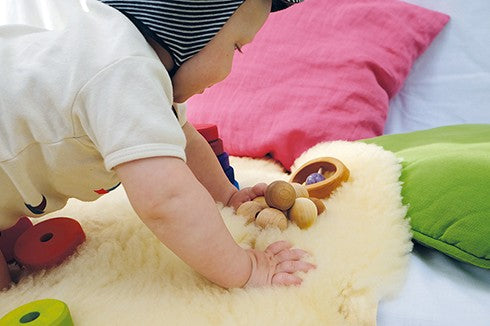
{"type": "Point", "coordinates": [9, 237]}
{"type": "Point", "coordinates": [208, 131]}
{"type": "Point", "coordinates": [48, 243]}
{"type": "Point", "coordinates": [224, 160]}
{"type": "Point", "coordinates": [230, 173]}
{"type": "Point", "coordinates": [217, 146]}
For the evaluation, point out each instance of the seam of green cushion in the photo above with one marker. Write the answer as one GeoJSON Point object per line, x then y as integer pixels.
{"type": "Point", "coordinates": [451, 250]}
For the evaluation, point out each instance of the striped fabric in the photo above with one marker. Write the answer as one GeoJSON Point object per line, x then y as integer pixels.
{"type": "Point", "coordinates": [182, 27]}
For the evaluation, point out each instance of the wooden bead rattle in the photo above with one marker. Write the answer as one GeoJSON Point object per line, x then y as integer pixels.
{"type": "Point", "coordinates": [300, 189]}
{"type": "Point", "coordinates": [272, 216]}
{"type": "Point", "coordinates": [333, 170]}
{"type": "Point", "coordinates": [320, 206]}
{"type": "Point", "coordinates": [280, 194]}
{"type": "Point", "coordinates": [250, 210]}
{"type": "Point", "coordinates": [282, 201]}
{"type": "Point", "coordinates": [303, 212]}
{"type": "Point", "coordinates": [297, 200]}
{"type": "Point", "coordinates": [261, 200]}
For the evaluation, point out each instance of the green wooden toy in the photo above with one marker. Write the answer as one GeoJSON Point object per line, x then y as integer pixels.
{"type": "Point", "coordinates": [45, 312]}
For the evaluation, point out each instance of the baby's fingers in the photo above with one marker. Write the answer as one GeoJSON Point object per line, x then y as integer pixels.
{"type": "Point", "coordinates": [291, 254]}
{"type": "Point", "coordinates": [292, 266]}
{"type": "Point", "coordinates": [277, 247]}
{"type": "Point", "coordinates": [286, 279]}
{"type": "Point", "coordinates": [259, 189]}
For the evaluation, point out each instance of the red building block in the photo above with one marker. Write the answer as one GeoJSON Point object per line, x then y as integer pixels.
{"type": "Point", "coordinates": [208, 131]}
{"type": "Point", "coordinates": [224, 160]}
{"type": "Point", "coordinates": [48, 243]}
{"type": "Point", "coordinates": [217, 146]}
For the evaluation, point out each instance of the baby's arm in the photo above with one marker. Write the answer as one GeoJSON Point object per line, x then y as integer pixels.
{"type": "Point", "coordinates": [182, 214]}
{"type": "Point", "coordinates": [205, 166]}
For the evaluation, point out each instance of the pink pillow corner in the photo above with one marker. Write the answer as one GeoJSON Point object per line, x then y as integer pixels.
{"type": "Point", "coordinates": [316, 72]}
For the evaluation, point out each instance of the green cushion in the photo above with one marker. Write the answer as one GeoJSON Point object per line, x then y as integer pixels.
{"type": "Point", "coordinates": [446, 185]}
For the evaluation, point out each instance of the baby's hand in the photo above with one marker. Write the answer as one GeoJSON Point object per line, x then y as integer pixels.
{"type": "Point", "coordinates": [277, 265]}
{"type": "Point", "coordinates": [246, 194]}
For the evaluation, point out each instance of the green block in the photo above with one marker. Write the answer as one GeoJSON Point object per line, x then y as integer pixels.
{"type": "Point", "coordinates": [46, 312]}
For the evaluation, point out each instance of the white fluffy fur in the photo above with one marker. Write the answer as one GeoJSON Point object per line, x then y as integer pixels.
{"type": "Point", "coordinates": [123, 276]}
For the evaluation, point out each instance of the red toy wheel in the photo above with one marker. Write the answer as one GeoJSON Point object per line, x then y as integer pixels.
{"type": "Point", "coordinates": [48, 243]}
{"type": "Point", "coordinates": [9, 237]}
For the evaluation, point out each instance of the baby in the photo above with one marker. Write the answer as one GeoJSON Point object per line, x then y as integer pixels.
{"type": "Point", "coordinates": [94, 102]}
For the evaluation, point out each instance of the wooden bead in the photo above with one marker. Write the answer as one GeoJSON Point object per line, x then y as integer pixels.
{"type": "Point", "coordinates": [272, 217]}
{"type": "Point", "coordinates": [303, 213]}
{"type": "Point", "coordinates": [208, 131]}
{"type": "Point", "coordinates": [261, 200]}
{"type": "Point", "coordinates": [249, 209]}
{"type": "Point", "coordinates": [320, 206]}
{"type": "Point", "coordinates": [280, 195]}
{"type": "Point", "coordinates": [300, 190]}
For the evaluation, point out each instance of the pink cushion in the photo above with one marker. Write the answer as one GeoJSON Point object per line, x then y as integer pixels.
{"type": "Point", "coordinates": [321, 70]}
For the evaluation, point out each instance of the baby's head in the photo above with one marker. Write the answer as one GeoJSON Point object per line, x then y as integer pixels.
{"type": "Point", "coordinates": [196, 39]}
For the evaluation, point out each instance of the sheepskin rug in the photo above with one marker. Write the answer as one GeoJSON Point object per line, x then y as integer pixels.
{"type": "Point", "coordinates": [122, 275]}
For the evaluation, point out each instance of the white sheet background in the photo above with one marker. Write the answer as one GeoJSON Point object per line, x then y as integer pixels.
{"type": "Point", "coordinates": [449, 84]}
{"type": "Point", "coordinates": [439, 291]}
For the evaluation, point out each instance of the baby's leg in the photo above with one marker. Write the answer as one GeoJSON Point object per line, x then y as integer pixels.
{"type": "Point", "coordinates": [5, 278]}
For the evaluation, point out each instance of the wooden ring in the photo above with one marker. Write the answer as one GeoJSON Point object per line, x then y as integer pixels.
{"type": "Point", "coordinates": [334, 171]}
